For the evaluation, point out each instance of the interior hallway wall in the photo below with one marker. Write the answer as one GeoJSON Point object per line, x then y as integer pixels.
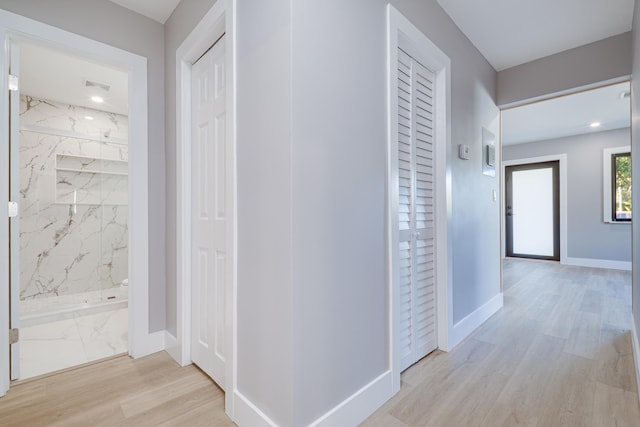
{"type": "Point", "coordinates": [475, 217]}
{"type": "Point", "coordinates": [311, 193]}
{"type": "Point", "coordinates": [574, 68]}
{"type": "Point", "coordinates": [114, 25]}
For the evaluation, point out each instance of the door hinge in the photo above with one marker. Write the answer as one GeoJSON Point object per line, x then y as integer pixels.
{"type": "Point", "coordinates": [14, 335]}
{"type": "Point", "coordinates": [13, 209]}
{"type": "Point", "coordinates": [14, 83]}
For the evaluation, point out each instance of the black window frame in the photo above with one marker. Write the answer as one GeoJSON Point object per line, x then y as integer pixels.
{"type": "Point", "coordinates": [614, 214]}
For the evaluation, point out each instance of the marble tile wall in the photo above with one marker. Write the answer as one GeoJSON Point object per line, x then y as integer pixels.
{"type": "Point", "coordinates": [73, 199]}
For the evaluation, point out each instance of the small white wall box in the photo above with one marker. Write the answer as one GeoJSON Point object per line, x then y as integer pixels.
{"type": "Point", "coordinates": [488, 153]}
{"type": "Point", "coordinates": [464, 151]}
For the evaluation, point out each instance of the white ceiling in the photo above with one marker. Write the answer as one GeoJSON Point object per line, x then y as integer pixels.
{"type": "Point", "coordinates": [512, 32]}
{"type": "Point", "coordinates": [567, 115]}
{"type": "Point", "coordinates": [158, 10]}
{"type": "Point", "coordinates": [59, 76]}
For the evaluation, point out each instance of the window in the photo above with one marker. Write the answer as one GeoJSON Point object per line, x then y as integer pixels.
{"type": "Point", "coordinates": [617, 185]}
{"type": "Point", "coordinates": [621, 190]}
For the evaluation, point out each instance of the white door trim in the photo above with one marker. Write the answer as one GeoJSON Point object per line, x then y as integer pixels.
{"type": "Point", "coordinates": [218, 21]}
{"type": "Point", "coordinates": [401, 32]}
{"type": "Point", "coordinates": [12, 26]}
{"type": "Point", "coordinates": [562, 159]}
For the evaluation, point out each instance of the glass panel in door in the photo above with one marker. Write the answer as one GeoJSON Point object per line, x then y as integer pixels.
{"type": "Point", "coordinates": [532, 211]}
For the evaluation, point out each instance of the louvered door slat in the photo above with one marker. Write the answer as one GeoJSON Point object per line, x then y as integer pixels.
{"type": "Point", "coordinates": [416, 209]}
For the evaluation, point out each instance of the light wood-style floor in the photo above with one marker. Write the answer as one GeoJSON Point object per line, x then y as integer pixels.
{"type": "Point", "coordinates": [151, 391]}
{"type": "Point", "coordinates": [557, 354]}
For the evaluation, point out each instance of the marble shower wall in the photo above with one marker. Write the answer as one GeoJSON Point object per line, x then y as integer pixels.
{"type": "Point", "coordinates": [73, 199]}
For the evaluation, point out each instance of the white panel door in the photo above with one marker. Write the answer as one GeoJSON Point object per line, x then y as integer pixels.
{"type": "Point", "coordinates": [209, 213]}
{"type": "Point", "coordinates": [416, 218]}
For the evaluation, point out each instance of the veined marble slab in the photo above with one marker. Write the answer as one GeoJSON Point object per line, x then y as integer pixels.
{"type": "Point", "coordinates": [73, 200]}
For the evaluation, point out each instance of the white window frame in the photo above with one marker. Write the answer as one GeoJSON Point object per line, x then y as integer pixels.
{"type": "Point", "coordinates": [607, 153]}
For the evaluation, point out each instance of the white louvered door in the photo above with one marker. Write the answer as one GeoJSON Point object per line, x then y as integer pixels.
{"type": "Point", "coordinates": [209, 202]}
{"type": "Point", "coordinates": [416, 220]}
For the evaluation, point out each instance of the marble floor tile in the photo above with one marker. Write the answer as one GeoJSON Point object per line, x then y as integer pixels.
{"type": "Point", "coordinates": [50, 347]}
{"type": "Point", "coordinates": [103, 334]}
{"type": "Point", "coordinates": [69, 342]}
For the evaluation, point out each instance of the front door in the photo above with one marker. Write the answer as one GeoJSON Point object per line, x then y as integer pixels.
{"type": "Point", "coordinates": [532, 211]}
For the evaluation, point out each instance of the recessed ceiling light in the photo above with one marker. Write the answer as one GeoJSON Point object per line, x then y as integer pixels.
{"type": "Point", "coordinates": [88, 118]}
{"type": "Point", "coordinates": [97, 99]}
{"type": "Point", "coordinates": [595, 124]}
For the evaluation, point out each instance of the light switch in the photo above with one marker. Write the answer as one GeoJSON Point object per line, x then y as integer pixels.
{"type": "Point", "coordinates": [494, 195]}
{"type": "Point", "coordinates": [13, 209]}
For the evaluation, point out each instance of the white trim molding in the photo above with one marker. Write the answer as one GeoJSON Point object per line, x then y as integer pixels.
{"type": "Point", "coordinates": [473, 321]}
{"type": "Point", "coordinates": [218, 21]}
{"type": "Point", "coordinates": [402, 33]}
{"type": "Point", "coordinates": [636, 348]}
{"type": "Point", "coordinates": [15, 28]}
{"type": "Point", "coordinates": [562, 159]}
{"type": "Point", "coordinates": [599, 263]}
{"type": "Point", "coordinates": [248, 414]}
{"type": "Point", "coordinates": [360, 405]}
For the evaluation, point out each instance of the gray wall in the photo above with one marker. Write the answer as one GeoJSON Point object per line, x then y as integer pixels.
{"type": "Point", "coordinates": [311, 265]}
{"type": "Point", "coordinates": [266, 207]}
{"type": "Point", "coordinates": [311, 193]}
{"type": "Point", "coordinates": [181, 22]}
{"type": "Point", "coordinates": [338, 159]}
{"type": "Point", "coordinates": [635, 160]}
{"type": "Point", "coordinates": [109, 23]}
{"type": "Point", "coordinates": [587, 235]}
{"type": "Point", "coordinates": [585, 65]}
{"type": "Point", "coordinates": [475, 221]}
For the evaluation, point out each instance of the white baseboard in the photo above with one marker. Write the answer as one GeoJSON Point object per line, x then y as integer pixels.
{"type": "Point", "coordinates": [350, 412]}
{"type": "Point", "coordinates": [599, 263]}
{"type": "Point", "coordinates": [247, 414]}
{"type": "Point", "coordinates": [466, 326]}
{"type": "Point", "coordinates": [360, 405]}
{"type": "Point", "coordinates": [171, 347]}
{"type": "Point", "coordinates": [636, 350]}
{"type": "Point", "coordinates": [146, 344]}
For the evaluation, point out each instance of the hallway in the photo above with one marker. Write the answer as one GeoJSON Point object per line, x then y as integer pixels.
{"type": "Point", "coordinates": [558, 354]}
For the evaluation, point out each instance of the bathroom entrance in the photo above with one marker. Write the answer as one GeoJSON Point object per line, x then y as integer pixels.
{"type": "Point", "coordinates": [69, 188]}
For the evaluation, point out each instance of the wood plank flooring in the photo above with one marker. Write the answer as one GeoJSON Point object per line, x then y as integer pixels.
{"type": "Point", "coordinates": [151, 391]}
{"type": "Point", "coordinates": [558, 354]}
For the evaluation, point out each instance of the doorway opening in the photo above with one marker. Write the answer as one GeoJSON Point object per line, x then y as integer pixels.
{"type": "Point", "coordinates": [582, 132]}
{"type": "Point", "coordinates": [69, 180]}
{"type": "Point", "coordinates": [15, 29]}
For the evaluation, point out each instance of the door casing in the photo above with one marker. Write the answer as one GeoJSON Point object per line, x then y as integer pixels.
{"type": "Point", "coordinates": [16, 27]}
{"type": "Point", "coordinates": [554, 166]}
{"type": "Point", "coordinates": [218, 21]}
{"type": "Point", "coordinates": [402, 33]}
